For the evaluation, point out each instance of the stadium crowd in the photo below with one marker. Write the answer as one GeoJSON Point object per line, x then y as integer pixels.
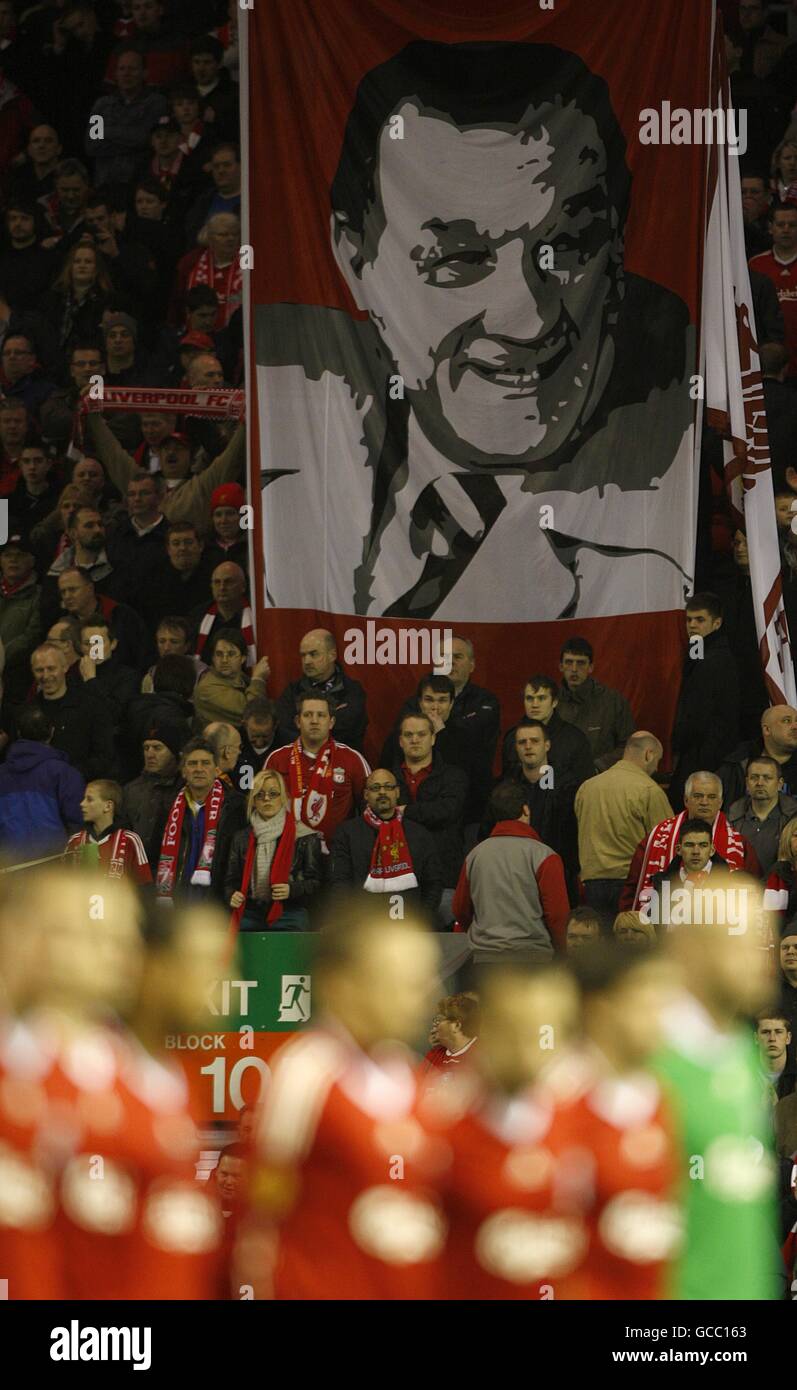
{"type": "Point", "coordinates": [141, 736]}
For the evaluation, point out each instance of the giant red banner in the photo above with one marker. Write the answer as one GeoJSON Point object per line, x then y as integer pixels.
{"type": "Point", "coordinates": [473, 318]}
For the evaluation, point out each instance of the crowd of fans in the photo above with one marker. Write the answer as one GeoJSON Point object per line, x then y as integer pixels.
{"type": "Point", "coordinates": [140, 733]}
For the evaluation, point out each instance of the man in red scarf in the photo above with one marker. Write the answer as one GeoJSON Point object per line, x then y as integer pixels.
{"type": "Point", "coordinates": [383, 853]}
{"type": "Point", "coordinates": [199, 828]}
{"type": "Point", "coordinates": [511, 891]}
{"type": "Point", "coordinates": [702, 799]}
{"type": "Point", "coordinates": [325, 779]}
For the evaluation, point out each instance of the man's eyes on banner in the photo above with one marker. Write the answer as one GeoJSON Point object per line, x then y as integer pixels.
{"type": "Point", "coordinates": [467, 267]}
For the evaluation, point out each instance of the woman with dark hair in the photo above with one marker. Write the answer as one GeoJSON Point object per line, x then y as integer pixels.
{"type": "Point", "coordinates": [79, 296]}
{"type": "Point", "coordinates": [275, 864]}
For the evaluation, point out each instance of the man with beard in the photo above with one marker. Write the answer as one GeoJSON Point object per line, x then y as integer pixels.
{"type": "Point", "coordinates": [383, 853]}
{"type": "Point", "coordinates": [517, 385]}
{"type": "Point", "coordinates": [149, 797]}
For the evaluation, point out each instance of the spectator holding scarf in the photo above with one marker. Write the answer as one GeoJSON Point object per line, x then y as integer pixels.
{"type": "Point", "coordinates": [201, 824]}
{"type": "Point", "coordinates": [275, 863]}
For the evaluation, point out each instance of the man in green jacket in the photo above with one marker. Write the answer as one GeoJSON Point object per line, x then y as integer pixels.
{"type": "Point", "coordinates": [711, 1072]}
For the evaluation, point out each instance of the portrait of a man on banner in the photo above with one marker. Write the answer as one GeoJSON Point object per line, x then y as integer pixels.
{"type": "Point", "coordinates": [504, 434]}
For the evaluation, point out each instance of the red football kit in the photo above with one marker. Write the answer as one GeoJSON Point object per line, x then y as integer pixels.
{"type": "Point", "coordinates": [617, 1163]}
{"type": "Point", "coordinates": [508, 1236]}
{"type": "Point", "coordinates": [120, 853]}
{"type": "Point", "coordinates": [107, 1155]}
{"type": "Point", "coordinates": [347, 1172]}
{"type": "Point", "coordinates": [325, 786]}
{"type": "Point", "coordinates": [784, 277]}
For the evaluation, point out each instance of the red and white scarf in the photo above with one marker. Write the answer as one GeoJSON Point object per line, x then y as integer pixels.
{"type": "Point", "coordinates": [247, 628]}
{"type": "Point", "coordinates": [391, 869]}
{"type": "Point", "coordinates": [189, 142]}
{"type": "Point", "coordinates": [662, 844]}
{"type": "Point", "coordinates": [310, 798]}
{"type": "Point", "coordinates": [172, 835]}
{"type": "Point", "coordinates": [166, 174]}
{"type": "Point", "coordinates": [229, 291]}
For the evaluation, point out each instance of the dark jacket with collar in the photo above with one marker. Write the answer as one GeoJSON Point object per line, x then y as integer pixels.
{"type": "Point", "coordinates": [602, 714]}
{"type": "Point", "coordinates": [672, 875]}
{"type": "Point", "coordinates": [147, 802]}
{"type": "Point", "coordinates": [83, 731]}
{"type": "Point", "coordinates": [351, 718]}
{"type": "Point", "coordinates": [351, 850]}
{"type": "Point", "coordinates": [569, 756]}
{"type": "Point", "coordinates": [733, 772]}
{"type": "Point", "coordinates": [133, 554]}
{"type": "Point", "coordinates": [707, 717]}
{"type": "Point", "coordinates": [467, 741]}
{"type": "Point", "coordinates": [439, 808]}
{"type": "Point", "coordinates": [116, 685]}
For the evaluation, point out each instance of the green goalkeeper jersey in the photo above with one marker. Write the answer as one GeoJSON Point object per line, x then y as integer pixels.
{"type": "Point", "coordinates": [713, 1081]}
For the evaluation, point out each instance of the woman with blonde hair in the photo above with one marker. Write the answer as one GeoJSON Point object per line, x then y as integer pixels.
{"type": "Point", "coordinates": [784, 167]}
{"type": "Point", "coordinates": [275, 864]}
{"type": "Point", "coordinates": [631, 929]}
{"type": "Point", "coordinates": [781, 891]}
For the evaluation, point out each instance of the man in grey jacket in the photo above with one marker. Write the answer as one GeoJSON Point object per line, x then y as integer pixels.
{"type": "Point", "coordinates": [511, 893]}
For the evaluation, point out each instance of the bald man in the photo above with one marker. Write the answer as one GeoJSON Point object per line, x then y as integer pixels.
{"type": "Point", "coordinates": [778, 739]}
{"type": "Point", "coordinates": [384, 853]}
{"type": "Point", "coordinates": [230, 608]}
{"type": "Point", "coordinates": [614, 811]}
{"type": "Point", "coordinates": [323, 674]}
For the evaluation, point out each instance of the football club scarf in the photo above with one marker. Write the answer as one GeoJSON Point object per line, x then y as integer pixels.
{"type": "Point", "coordinates": [190, 141]}
{"type": "Point", "coordinates": [391, 868]}
{"type": "Point", "coordinates": [281, 866]}
{"type": "Point", "coordinates": [247, 629]}
{"type": "Point", "coordinates": [172, 835]}
{"type": "Point", "coordinates": [310, 798]}
{"type": "Point", "coordinates": [205, 272]}
{"type": "Point", "coordinates": [663, 841]}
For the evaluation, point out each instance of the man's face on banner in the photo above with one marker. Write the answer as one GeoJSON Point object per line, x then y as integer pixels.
{"type": "Point", "coordinates": [501, 355]}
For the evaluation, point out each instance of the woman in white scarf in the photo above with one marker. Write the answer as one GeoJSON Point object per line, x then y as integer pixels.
{"type": "Point", "coordinates": [267, 808]}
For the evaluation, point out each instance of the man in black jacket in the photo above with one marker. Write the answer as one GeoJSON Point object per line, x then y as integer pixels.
{"type": "Point", "coordinates": [433, 794]}
{"type": "Point", "coordinates": [569, 754]}
{"type": "Point", "coordinates": [322, 674]}
{"type": "Point", "coordinates": [137, 544]}
{"type": "Point", "coordinates": [778, 740]}
{"type": "Point", "coordinates": [354, 842]}
{"type": "Point", "coordinates": [149, 797]}
{"type": "Point", "coordinates": [83, 726]}
{"type": "Point", "coordinates": [707, 717]}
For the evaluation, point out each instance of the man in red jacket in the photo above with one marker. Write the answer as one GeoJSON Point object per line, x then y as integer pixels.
{"type": "Point", "coordinates": [511, 891]}
{"type": "Point", "coordinates": [325, 779]}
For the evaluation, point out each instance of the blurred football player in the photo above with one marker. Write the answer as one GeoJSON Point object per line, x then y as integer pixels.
{"type": "Point", "coordinates": [343, 1171]}
{"type": "Point", "coordinates": [711, 1070]}
{"type": "Point", "coordinates": [506, 1240]}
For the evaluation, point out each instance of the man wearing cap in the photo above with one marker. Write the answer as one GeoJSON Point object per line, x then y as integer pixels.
{"type": "Point", "coordinates": [229, 539]}
{"type": "Point", "coordinates": [188, 498]}
{"type": "Point", "coordinates": [20, 624]}
{"type": "Point", "coordinates": [149, 797]}
{"type": "Point", "coordinates": [323, 674]}
{"type": "Point", "coordinates": [128, 115]}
